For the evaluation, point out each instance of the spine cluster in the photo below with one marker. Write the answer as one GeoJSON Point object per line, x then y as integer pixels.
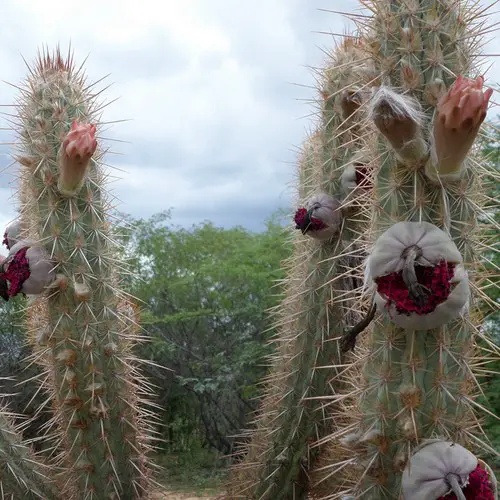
{"type": "Point", "coordinates": [394, 155]}
{"type": "Point", "coordinates": [81, 324]}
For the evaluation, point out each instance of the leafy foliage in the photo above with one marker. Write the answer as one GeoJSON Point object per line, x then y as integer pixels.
{"type": "Point", "coordinates": [205, 292]}
{"type": "Point", "coordinates": [490, 145]}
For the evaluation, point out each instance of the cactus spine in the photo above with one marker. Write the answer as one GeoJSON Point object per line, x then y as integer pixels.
{"type": "Point", "coordinates": [322, 283]}
{"type": "Point", "coordinates": [419, 384]}
{"type": "Point", "coordinates": [24, 475]}
{"type": "Point", "coordinates": [82, 329]}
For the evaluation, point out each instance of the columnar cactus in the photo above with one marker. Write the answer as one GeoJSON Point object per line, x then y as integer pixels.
{"type": "Point", "coordinates": [419, 377]}
{"type": "Point", "coordinates": [80, 324]}
{"type": "Point", "coordinates": [24, 475]}
{"type": "Point", "coordinates": [324, 279]}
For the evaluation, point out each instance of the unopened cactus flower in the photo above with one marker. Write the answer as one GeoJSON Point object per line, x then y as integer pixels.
{"type": "Point", "coordinates": [76, 150]}
{"type": "Point", "coordinates": [27, 269]}
{"type": "Point", "coordinates": [350, 103]}
{"type": "Point", "coordinates": [459, 115]}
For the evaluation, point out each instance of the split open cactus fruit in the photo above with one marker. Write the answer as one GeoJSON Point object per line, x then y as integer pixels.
{"type": "Point", "coordinates": [418, 276]}
{"type": "Point", "coordinates": [28, 269]}
{"type": "Point", "coordinates": [321, 218]}
{"type": "Point", "coordinates": [443, 470]}
{"type": "Point", "coordinates": [355, 175]}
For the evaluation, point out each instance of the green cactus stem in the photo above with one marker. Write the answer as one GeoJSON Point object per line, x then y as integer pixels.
{"type": "Point", "coordinates": [323, 280]}
{"type": "Point", "coordinates": [420, 383]}
{"type": "Point", "coordinates": [84, 344]}
{"type": "Point", "coordinates": [23, 474]}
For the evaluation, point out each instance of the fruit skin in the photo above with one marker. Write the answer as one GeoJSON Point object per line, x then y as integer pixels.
{"type": "Point", "coordinates": [426, 476]}
{"type": "Point", "coordinates": [321, 218]}
{"type": "Point", "coordinates": [443, 470]}
{"type": "Point", "coordinates": [441, 292]}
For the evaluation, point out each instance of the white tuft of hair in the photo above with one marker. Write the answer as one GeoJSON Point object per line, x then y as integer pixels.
{"type": "Point", "coordinates": [400, 105]}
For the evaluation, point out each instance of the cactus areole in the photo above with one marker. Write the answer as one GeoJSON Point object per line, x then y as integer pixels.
{"type": "Point", "coordinates": [94, 379]}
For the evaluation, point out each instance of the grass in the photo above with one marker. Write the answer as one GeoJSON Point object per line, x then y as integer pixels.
{"type": "Point", "coordinates": [198, 471]}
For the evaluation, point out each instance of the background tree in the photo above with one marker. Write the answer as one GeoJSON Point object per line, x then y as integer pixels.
{"type": "Point", "coordinates": [205, 292]}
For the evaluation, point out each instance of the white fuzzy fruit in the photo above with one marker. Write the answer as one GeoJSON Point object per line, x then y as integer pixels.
{"type": "Point", "coordinates": [12, 233]}
{"type": "Point", "coordinates": [349, 178]}
{"type": "Point", "coordinates": [41, 268]}
{"type": "Point", "coordinates": [321, 208]}
{"type": "Point", "coordinates": [430, 246]}
{"type": "Point", "coordinates": [434, 467]}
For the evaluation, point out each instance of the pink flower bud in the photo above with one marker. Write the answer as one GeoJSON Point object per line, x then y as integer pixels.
{"type": "Point", "coordinates": [27, 269]}
{"type": "Point", "coordinates": [76, 150]}
{"type": "Point", "coordinates": [460, 113]}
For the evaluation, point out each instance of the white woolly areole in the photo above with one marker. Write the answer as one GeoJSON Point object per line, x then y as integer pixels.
{"type": "Point", "coordinates": [386, 258]}
{"type": "Point", "coordinates": [401, 106]}
{"type": "Point", "coordinates": [424, 477]}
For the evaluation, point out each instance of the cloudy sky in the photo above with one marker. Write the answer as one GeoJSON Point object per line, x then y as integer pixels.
{"type": "Point", "coordinates": [216, 92]}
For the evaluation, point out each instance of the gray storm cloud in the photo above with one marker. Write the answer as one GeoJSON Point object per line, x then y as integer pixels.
{"type": "Point", "coordinates": [208, 87]}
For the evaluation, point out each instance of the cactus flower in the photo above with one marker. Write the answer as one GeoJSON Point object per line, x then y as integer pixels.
{"type": "Point", "coordinates": [76, 150]}
{"type": "Point", "coordinates": [27, 269]}
{"type": "Point", "coordinates": [459, 114]}
{"type": "Point", "coordinates": [11, 235]}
